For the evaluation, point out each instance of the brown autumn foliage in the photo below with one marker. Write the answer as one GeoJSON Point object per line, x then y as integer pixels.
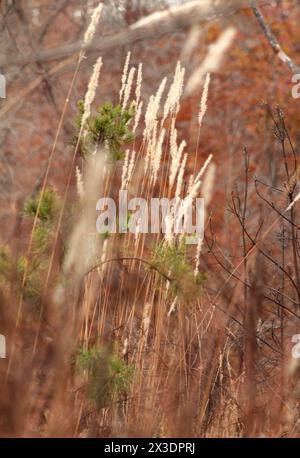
{"type": "Point", "coordinates": [118, 338]}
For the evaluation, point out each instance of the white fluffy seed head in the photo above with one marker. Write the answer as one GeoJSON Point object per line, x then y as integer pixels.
{"type": "Point", "coordinates": [128, 167]}
{"type": "Point", "coordinates": [125, 170]}
{"type": "Point", "coordinates": [196, 184]}
{"type": "Point", "coordinates": [131, 167]}
{"type": "Point", "coordinates": [124, 76]}
{"type": "Point", "coordinates": [208, 183]}
{"type": "Point", "coordinates": [128, 87]}
{"type": "Point", "coordinates": [173, 139]}
{"type": "Point", "coordinates": [89, 34]}
{"type": "Point", "coordinates": [152, 110]}
{"type": "Point", "coordinates": [138, 114]}
{"type": "Point", "coordinates": [203, 103]}
{"type": "Point", "coordinates": [149, 118]}
{"type": "Point", "coordinates": [173, 99]}
{"type": "Point", "coordinates": [151, 143]}
{"type": "Point", "coordinates": [213, 59]}
{"type": "Point", "coordinates": [91, 92]}
{"type": "Point", "coordinates": [191, 42]}
{"type": "Point", "coordinates": [157, 154]}
{"type": "Point", "coordinates": [203, 169]}
{"type": "Point", "coordinates": [176, 154]}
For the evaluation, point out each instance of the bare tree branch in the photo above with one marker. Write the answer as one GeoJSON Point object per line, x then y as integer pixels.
{"type": "Point", "coordinates": [272, 39]}
{"type": "Point", "coordinates": [153, 26]}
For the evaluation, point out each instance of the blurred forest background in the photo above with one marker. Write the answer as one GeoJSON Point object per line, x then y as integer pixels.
{"type": "Point", "coordinates": [250, 75]}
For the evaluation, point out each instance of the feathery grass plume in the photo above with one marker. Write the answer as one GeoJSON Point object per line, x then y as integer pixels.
{"type": "Point", "coordinates": [203, 169]}
{"type": "Point", "coordinates": [213, 59]}
{"type": "Point", "coordinates": [156, 156]}
{"type": "Point", "coordinates": [124, 77]}
{"type": "Point", "coordinates": [197, 258]}
{"type": "Point", "coordinates": [151, 144]}
{"type": "Point", "coordinates": [152, 110]}
{"type": "Point", "coordinates": [176, 162]}
{"type": "Point", "coordinates": [79, 183]}
{"type": "Point", "coordinates": [173, 138]}
{"type": "Point", "coordinates": [191, 43]}
{"type": "Point", "coordinates": [127, 170]}
{"type": "Point", "coordinates": [176, 154]}
{"type": "Point", "coordinates": [149, 119]}
{"type": "Point", "coordinates": [131, 167]}
{"type": "Point", "coordinates": [173, 152]}
{"type": "Point", "coordinates": [203, 103]}
{"type": "Point", "coordinates": [91, 92]}
{"type": "Point", "coordinates": [138, 103]}
{"type": "Point", "coordinates": [193, 192]}
{"type": "Point", "coordinates": [89, 34]}
{"type": "Point", "coordinates": [208, 183]}
{"type": "Point", "coordinates": [194, 188]}
{"type": "Point", "coordinates": [124, 169]}
{"type": "Point", "coordinates": [180, 176]}
{"type": "Point", "coordinates": [175, 92]}
{"type": "Point", "coordinates": [128, 87]}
